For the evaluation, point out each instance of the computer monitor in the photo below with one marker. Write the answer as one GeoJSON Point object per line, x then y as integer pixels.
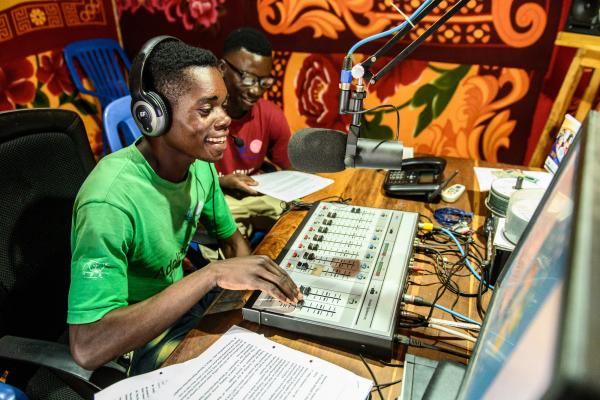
{"type": "Point", "coordinates": [541, 335]}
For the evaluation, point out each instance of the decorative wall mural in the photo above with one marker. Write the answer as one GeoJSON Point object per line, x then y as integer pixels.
{"type": "Point", "coordinates": [189, 13]}
{"type": "Point", "coordinates": [470, 90]}
{"type": "Point", "coordinates": [513, 22]}
{"type": "Point", "coordinates": [33, 72]}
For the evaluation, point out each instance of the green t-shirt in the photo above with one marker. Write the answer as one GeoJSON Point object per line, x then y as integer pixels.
{"type": "Point", "coordinates": [131, 229]}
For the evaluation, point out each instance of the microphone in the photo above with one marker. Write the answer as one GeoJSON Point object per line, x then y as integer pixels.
{"type": "Point", "coordinates": [324, 150]}
{"type": "Point", "coordinates": [239, 142]}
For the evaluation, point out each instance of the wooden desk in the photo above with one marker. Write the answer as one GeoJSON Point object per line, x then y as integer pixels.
{"type": "Point", "coordinates": [364, 187]}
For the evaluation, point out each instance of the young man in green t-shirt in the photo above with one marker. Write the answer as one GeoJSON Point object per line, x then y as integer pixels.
{"type": "Point", "coordinates": [136, 213]}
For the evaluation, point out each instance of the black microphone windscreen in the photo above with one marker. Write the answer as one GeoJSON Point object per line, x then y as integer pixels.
{"type": "Point", "coordinates": [317, 150]}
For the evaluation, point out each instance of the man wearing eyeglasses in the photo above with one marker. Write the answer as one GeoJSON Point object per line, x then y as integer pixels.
{"type": "Point", "coordinates": [258, 129]}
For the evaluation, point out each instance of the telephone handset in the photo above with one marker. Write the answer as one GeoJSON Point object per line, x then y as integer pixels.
{"type": "Point", "coordinates": [419, 177]}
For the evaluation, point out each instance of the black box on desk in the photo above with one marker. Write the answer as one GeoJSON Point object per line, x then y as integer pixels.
{"type": "Point", "coordinates": [502, 249]}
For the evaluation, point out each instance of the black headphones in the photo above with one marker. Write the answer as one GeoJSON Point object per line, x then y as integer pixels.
{"type": "Point", "coordinates": [149, 110]}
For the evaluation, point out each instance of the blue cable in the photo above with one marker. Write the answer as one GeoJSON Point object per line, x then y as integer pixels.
{"type": "Point", "coordinates": [462, 252]}
{"type": "Point", "coordinates": [391, 31]}
{"type": "Point", "coordinates": [449, 216]}
{"type": "Point", "coordinates": [458, 315]}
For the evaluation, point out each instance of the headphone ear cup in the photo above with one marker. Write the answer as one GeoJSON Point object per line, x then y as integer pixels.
{"type": "Point", "coordinates": [163, 118]}
{"type": "Point", "coordinates": [151, 114]}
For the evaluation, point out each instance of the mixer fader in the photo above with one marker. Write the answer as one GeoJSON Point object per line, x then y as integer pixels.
{"type": "Point", "coordinates": [351, 264]}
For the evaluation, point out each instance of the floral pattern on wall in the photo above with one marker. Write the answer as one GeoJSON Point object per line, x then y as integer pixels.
{"type": "Point", "coordinates": [33, 72]}
{"type": "Point", "coordinates": [43, 80]}
{"type": "Point", "coordinates": [445, 109]}
{"type": "Point", "coordinates": [469, 90]}
{"type": "Point", "coordinates": [189, 13]}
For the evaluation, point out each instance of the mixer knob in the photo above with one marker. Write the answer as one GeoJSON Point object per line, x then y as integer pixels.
{"type": "Point", "coordinates": [361, 276]}
{"type": "Point", "coordinates": [311, 256]}
{"type": "Point", "coordinates": [364, 266]}
{"type": "Point", "coordinates": [371, 246]}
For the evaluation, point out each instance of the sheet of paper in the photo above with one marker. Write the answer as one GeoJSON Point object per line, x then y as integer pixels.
{"type": "Point", "coordinates": [245, 365]}
{"type": "Point", "coordinates": [142, 387]}
{"type": "Point", "coordinates": [485, 176]}
{"type": "Point", "coordinates": [289, 185]}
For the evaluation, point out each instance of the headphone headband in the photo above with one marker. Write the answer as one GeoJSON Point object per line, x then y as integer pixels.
{"type": "Point", "coordinates": [137, 69]}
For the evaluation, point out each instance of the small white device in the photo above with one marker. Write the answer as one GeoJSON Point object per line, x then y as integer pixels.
{"type": "Point", "coordinates": [451, 194]}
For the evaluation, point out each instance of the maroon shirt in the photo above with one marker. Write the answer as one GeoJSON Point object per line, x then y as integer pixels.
{"type": "Point", "coordinates": [265, 132]}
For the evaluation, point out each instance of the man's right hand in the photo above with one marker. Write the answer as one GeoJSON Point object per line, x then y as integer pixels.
{"type": "Point", "coordinates": [238, 182]}
{"type": "Point", "coordinates": [256, 273]}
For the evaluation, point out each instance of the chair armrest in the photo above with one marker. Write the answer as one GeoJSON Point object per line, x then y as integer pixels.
{"type": "Point", "coordinates": [55, 356]}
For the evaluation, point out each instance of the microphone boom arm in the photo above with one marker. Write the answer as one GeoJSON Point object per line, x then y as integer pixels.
{"type": "Point", "coordinates": [416, 43]}
{"type": "Point", "coordinates": [351, 101]}
{"type": "Point", "coordinates": [397, 36]}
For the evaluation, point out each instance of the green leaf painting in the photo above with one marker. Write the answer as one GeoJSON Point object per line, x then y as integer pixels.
{"type": "Point", "coordinates": [436, 95]}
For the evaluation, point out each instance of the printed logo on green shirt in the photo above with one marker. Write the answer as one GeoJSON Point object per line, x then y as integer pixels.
{"type": "Point", "coordinates": [94, 270]}
{"type": "Point", "coordinates": [168, 269]}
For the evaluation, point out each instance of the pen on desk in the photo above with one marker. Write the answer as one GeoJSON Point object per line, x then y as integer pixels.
{"type": "Point", "coordinates": [437, 192]}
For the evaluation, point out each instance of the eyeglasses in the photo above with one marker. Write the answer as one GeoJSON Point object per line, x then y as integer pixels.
{"type": "Point", "coordinates": [249, 79]}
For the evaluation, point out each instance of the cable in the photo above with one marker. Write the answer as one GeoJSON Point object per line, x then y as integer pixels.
{"type": "Point", "coordinates": [455, 324]}
{"type": "Point", "coordinates": [419, 301]}
{"type": "Point", "coordinates": [414, 16]}
{"type": "Point", "coordinates": [408, 341]}
{"type": "Point", "coordinates": [458, 315]}
{"type": "Point", "coordinates": [386, 385]}
{"type": "Point", "coordinates": [449, 216]}
{"type": "Point", "coordinates": [383, 106]}
{"type": "Point", "coordinates": [452, 332]}
{"type": "Point", "coordinates": [297, 205]}
{"type": "Point", "coordinates": [451, 235]}
{"type": "Point", "coordinates": [372, 375]}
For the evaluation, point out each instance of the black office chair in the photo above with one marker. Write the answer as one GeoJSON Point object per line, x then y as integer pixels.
{"type": "Point", "coordinates": [44, 158]}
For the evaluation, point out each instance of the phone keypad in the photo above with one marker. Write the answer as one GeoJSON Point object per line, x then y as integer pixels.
{"type": "Point", "coordinates": [396, 177]}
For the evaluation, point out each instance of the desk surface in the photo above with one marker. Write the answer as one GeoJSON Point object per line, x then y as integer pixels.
{"type": "Point", "coordinates": [364, 187]}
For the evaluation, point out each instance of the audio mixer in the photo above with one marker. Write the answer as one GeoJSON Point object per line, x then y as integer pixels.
{"type": "Point", "coordinates": [351, 264]}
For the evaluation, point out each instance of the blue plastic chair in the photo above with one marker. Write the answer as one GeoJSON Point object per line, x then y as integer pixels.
{"type": "Point", "coordinates": [119, 127]}
{"type": "Point", "coordinates": [8, 392]}
{"type": "Point", "coordinates": [105, 64]}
